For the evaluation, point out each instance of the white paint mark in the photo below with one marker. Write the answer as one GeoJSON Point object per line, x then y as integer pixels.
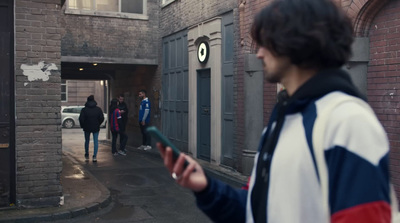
{"type": "Point", "coordinates": [38, 72]}
{"type": "Point", "coordinates": [25, 84]}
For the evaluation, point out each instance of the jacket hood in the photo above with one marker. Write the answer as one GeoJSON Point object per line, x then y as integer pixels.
{"type": "Point", "coordinates": [91, 104]}
{"type": "Point", "coordinates": [326, 81]}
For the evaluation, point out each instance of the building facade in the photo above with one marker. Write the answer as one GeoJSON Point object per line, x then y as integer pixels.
{"type": "Point", "coordinates": [196, 61]}
{"type": "Point", "coordinates": [197, 66]}
{"type": "Point", "coordinates": [199, 126]}
{"type": "Point", "coordinates": [30, 114]}
{"type": "Point", "coordinates": [45, 43]}
{"type": "Point", "coordinates": [373, 66]}
{"type": "Point", "coordinates": [115, 42]}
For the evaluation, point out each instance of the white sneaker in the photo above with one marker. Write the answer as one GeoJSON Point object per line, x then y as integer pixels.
{"type": "Point", "coordinates": [121, 152]}
{"type": "Point", "coordinates": [147, 148]}
{"type": "Point", "coordinates": [142, 147]}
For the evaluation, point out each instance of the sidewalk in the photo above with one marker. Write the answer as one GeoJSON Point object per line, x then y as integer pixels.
{"type": "Point", "coordinates": [84, 194]}
{"type": "Point", "coordinates": [80, 197]}
{"type": "Point", "coordinates": [226, 175]}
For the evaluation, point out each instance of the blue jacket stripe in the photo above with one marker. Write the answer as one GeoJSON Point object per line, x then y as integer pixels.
{"type": "Point", "coordinates": [353, 180]}
{"type": "Point", "coordinates": [309, 116]}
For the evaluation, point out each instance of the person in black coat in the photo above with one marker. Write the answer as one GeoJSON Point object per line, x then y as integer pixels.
{"type": "Point", "coordinates": [123, 108]}
{"type": "Point", "coordinates": [123, 137]}
{"type": "Point", "coordinates": [90, 120]}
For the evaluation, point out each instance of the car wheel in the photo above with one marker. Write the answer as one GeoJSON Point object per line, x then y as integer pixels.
{"type": "Point", "coordinates": [69, 123]}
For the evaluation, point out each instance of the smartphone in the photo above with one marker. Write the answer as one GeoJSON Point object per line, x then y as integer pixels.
{"type": "Point", "coordinates": [155, 133]}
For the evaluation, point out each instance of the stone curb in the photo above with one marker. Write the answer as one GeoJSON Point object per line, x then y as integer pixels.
{"type": "Point", "coordinates": [73, 213]}
{"type": "Point", "coordinates": [101, 203]}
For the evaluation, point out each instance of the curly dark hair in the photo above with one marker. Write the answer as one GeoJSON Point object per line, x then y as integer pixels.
{"type": "Point", "coordinates": [312, 33]}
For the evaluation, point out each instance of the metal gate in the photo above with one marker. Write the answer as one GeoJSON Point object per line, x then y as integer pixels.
{"type": "Point", "coordinates": [175, 96]}
{"type": "Point", "coordinates": [7, 153]}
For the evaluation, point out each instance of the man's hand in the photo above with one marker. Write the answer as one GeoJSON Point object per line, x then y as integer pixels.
{"type": "Point", "coordinates": [192, 177]}
{"type": "Point", "coordinates": [122, 111]}
{"type": "Point", "coordinates": [143, 123]}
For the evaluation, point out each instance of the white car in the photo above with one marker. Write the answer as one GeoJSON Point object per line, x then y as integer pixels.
{"type": "Point", "coordinates": [70, 116]}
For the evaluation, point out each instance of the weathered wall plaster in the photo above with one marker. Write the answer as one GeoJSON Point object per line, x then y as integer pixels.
{"type": "Point", "coordinates": [42, 71]}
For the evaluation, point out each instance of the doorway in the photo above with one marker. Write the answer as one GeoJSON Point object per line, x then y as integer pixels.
{"type": "Point", "coordinates": [204, 114]}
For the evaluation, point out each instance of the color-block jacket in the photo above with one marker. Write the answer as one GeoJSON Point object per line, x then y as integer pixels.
{"type": "Point", "coordinates": [288, 189]}
{"type": "Point", "coordinates": [144, 111]}
{"type": "Point", "coordinates": [115, 120]}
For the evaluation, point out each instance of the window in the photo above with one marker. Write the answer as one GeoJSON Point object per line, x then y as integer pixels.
{"type": "Point", "coordinates": [115, 6]}
{"type": "Point", "coordinates": [64, 91]}
{"type": "Point", "coordinates": [67, 110]}
{"type": "Point", "coordinates": [76, 110]}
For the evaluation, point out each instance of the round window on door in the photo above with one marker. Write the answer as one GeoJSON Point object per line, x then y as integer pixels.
{"type": "Point", "coordinates": [203, 52]}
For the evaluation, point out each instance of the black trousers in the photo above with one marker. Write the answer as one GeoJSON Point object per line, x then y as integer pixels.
{"type": "Point", "coordinates": [123, 138]}
{"type": "Point", "coordinates": [145, 136]}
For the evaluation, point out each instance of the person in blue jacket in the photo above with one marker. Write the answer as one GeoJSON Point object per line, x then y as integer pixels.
{"type": "Point", "coordinates": [144, 119]}
{"type": "Point", "coordinates": [303, 44]}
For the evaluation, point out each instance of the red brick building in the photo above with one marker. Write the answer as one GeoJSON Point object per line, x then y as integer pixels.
{"type": "Point", "coordinates": [374, 66]}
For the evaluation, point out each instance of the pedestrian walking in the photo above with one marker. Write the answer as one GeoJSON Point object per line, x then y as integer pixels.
{"type": "Point", "coordinates": [345, 177]}
{"type": "Point", "coordinates": [90, 119]}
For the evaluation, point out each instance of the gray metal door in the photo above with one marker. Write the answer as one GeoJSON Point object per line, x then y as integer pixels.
{"type": "Point", "coordinates": [7, 154]}
{"type": "Point", "coordinates": [175, 92]}
{"type": "Point", "coordinates": [204, 112]}
{"type": "Point", "coordinates": [227, 90]}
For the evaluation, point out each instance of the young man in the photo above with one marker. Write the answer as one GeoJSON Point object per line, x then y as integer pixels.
{"type": "Point", "coordinates": [90, 119]}
{"type": "Point", "coordinates": [144, 119]}
{"type": "Point", "coordinates": [123, 137]}
{"type": "Point", "coordinates": [123, 108]}
{"type": "Point", "coordinates": [303, 44]}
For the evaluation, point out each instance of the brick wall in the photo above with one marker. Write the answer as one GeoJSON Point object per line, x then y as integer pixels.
{"type": "Point", "coordinates": [37, 97]}
{"type": "Point", "coordinates": [95, 36]}
{"type": "Point", "coordinates": [376, 19]}
{"type": "Point", "coordinates": [246, 45]}
{"type": "Point", "coordinates": [180, 15]}
{"type": "Point", "coordinates": [383, 78]}
{"type": "Point", "coordinates": [362, 12]}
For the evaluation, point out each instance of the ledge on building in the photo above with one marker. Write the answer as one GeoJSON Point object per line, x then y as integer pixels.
{"type": "Point", "coordinates": [107, 14]}
{"type": "Point", "coordinates": [108, 60]}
